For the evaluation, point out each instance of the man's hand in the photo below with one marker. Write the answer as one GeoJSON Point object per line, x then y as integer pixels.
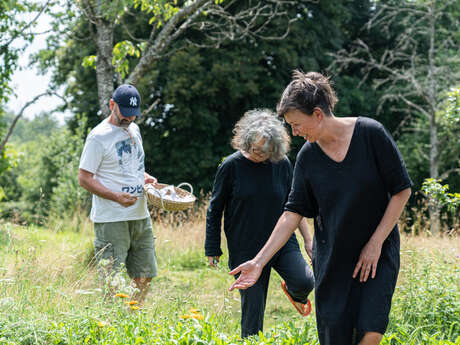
{"type": "Point", "coordinates": [126, 199]}
{"type": "Point", "coordinates": [249, 273]}
{"type": "Point", "coordinates": [149, 179]}
{"type": "Point", "coordinates": [213, 260]}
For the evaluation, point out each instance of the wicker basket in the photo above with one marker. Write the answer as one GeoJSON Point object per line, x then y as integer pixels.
{"type": "Point", "coordinates": [155, 198]}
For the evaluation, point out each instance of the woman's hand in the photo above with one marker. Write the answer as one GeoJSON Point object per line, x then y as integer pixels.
{"type": "Point", "coordinates": [213, 260]}
{"type": "Point", "coordinates": [249, 273]}
{"type": "Point", "coordinates": [370, 254]}
{"type": "Point", "coordinates": [368, 260]}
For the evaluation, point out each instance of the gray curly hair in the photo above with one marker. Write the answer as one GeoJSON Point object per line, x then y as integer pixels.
{"type": "Point", "coordinates": [262, 124]}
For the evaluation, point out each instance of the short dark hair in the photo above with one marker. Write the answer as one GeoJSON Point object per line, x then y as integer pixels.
{"type": "Point", "coordinates": [307, 91]}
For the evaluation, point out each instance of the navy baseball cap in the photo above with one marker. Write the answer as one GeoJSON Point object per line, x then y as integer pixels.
{"type": "Point", "coordinates": [128, 99]}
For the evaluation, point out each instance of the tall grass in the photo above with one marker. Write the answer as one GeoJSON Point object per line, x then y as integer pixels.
{"type": "Point", "coordinates": [49, 292]}
{"type": "Point", "coordinates": [416, 220]}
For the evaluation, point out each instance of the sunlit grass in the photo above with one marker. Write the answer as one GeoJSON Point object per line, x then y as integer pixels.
{"type": "Point", "coordinates": [50, 294]}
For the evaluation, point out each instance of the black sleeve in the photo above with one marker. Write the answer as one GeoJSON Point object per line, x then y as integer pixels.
{"type": "Point", "coordinates": [301, 199]}
{"type": "Point", "coordinates": [219, 198]}
{"type": "Point", "coordinates": [389, 161]}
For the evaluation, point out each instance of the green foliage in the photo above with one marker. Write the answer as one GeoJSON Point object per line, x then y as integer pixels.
{"type": "Point", "coordinates": [25, 134]}
{"type": "Point", "coordinates": [452, 108]}
{"type": "Point", "coordinates": [4, 161]}
{"type": "Point", "coordinates": [440, 193]}
{"type": "Point", "coordinates": [428, 302]}
{"type": "Point", "coordinates": [413, 144]}
{"type": "Point", "coordinates": [67, 196]}
{"type": "Point", "coordinates": [89, 61]}
{"type": "Point", "coordinates": [159, 11]}
{"type": "Point", "coordinates": [27, 130]}
{"type": "Point", "coordinates": [8, 165]}
{"type": "Point", "coordinates": [120, 51]}
{"type": "Point", "coordinates": [2, 194]}
{"type": "Point", "coordinates": [47, 175]}
{"type": "Point", "coordinates": [12, 29]}
{"type": "Point", "coordinates": [449, 130]}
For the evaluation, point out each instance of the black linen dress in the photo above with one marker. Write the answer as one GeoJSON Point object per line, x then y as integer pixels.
{"type": "Point", "coordinates": [347, 201]}
{"type": "Point", "coordinates": [251, 196]}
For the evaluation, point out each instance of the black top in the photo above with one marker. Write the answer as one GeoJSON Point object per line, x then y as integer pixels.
{"type": "Point", "coordinates": [347, 201]}
{"type": "Point", "coordinates": [251, 196]}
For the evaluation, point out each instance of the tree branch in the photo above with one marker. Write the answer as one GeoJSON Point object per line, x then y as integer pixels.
{"type": "Point", "coordinates": [20, 32]}
{"type": "Point", "coordinates": [217, 26]}
{"type": "Point", "coordinates": [415, 106]}
{"type": "Point", "coordinates": [28, 104]}
{"type": "Point", "coordinates": [446, 173]}
{"type": "Point", "coordinates": [149, 109]}
{"type": "Point", "coordinates": [162, 40]}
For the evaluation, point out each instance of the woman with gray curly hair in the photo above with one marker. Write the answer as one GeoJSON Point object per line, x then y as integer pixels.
{"type": "Point", "coordinates": [250, 189]}
{"type": "Point", "coordinates": [350, 177]}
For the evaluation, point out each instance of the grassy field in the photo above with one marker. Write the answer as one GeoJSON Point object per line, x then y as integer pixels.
{"type": "Point", "coordinates": [49, 294]}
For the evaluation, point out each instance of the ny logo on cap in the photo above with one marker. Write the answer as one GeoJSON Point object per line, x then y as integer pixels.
{"type": "Point", "coordinates": [133, 101]}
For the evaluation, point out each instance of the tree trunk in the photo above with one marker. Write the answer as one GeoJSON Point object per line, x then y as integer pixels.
{"type": "Point", "coordinates": [433, 207]}
{"type": "Point", "coordinates": [104, 68]}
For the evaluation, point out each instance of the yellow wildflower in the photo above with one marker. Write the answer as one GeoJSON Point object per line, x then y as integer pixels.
{"type": "Point", "coordinates": [197, 316]}
{"type": "Point", "coordinates": [122, 295]}
{"type": "Point", "coordinates": [134, 307]}
{"type": "Point", "coordinates": [102, 324]}
{"type": "Point", "coordinates": [192, 316]}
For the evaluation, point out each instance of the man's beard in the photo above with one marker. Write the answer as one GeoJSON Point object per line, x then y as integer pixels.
{"type": "Point", "coordinates": [122, 122]}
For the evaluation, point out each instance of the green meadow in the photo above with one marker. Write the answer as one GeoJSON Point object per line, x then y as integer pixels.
{"type": "Point", "coordinates": [50, 293]}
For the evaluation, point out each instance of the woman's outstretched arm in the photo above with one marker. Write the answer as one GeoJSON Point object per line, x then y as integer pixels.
{"type": "Point", "coordinates": [250, 270]}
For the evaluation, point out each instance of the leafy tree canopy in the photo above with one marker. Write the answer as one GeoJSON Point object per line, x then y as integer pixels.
{"type": "Point", "coordinates": [199, 93]}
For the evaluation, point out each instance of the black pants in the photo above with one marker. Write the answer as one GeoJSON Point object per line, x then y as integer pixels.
{"type": "Point", "coordinates": [291, 266]}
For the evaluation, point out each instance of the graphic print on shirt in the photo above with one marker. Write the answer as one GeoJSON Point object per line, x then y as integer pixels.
{"type": "Point", "coordinates": [125, 155]}
{"type": "Point", "coordinates": [131, 162]}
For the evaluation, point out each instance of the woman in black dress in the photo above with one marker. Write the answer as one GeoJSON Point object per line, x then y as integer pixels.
{"type": "Point", "coordinates": [250, 189]}
{"type": "Point", "coordinates": [349, 176]}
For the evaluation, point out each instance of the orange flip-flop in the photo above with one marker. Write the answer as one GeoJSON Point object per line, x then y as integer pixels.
{"type": "Point", "coordinates": [305, 309]}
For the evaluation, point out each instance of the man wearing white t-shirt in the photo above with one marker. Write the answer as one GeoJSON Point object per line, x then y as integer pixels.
{"type": "Point", "coordinates": [112, 169]}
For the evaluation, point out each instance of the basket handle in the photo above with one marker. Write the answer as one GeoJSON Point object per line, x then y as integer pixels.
{"type": "Point", "coordinates": [151, 187]}
{"type": "Point", "coordinates": [186, 184]}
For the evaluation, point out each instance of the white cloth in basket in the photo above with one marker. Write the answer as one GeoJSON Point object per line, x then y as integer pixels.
{"type": "Point", "coordinates": [169, 193]}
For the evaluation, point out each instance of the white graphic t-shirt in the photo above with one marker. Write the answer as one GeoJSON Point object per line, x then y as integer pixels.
{"type": "Point", "coordinates": [116, 158]}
